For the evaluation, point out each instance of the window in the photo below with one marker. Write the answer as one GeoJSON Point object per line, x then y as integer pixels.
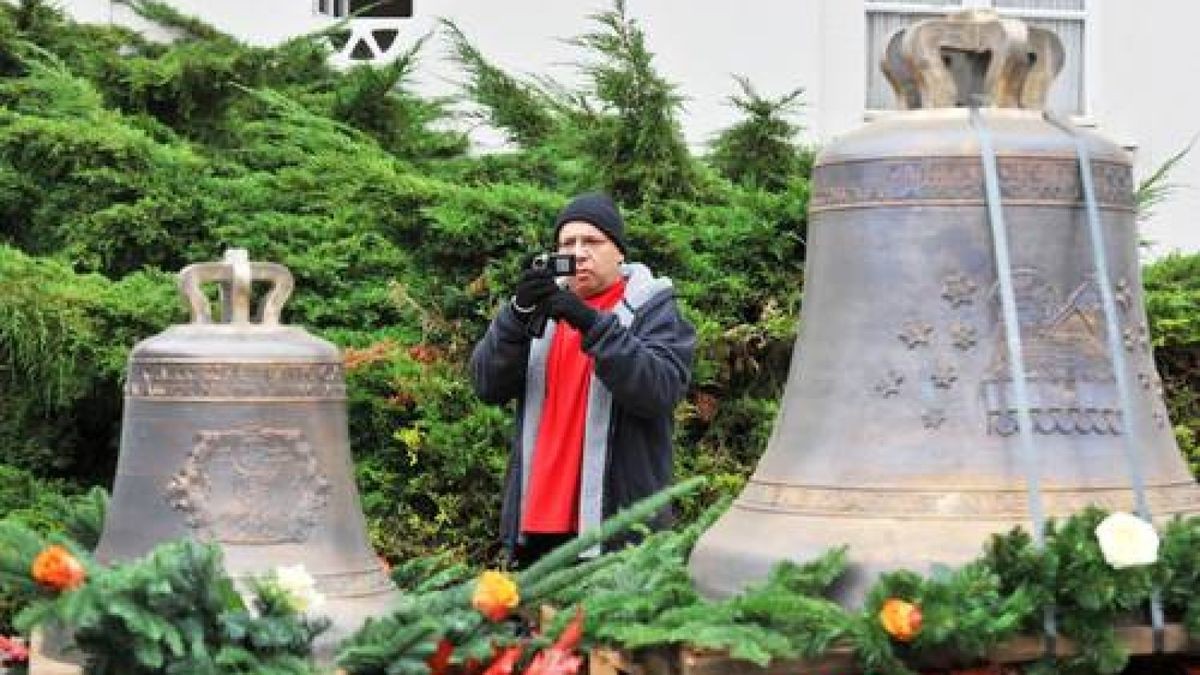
{"type": "Point", "coordinates": [381, 9]}
{"type": "Point", "coordinates": [1067, 18]}
{"type": "Point", "coordinates": [370, 35]}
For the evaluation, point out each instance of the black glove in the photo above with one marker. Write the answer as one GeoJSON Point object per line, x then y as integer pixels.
{"type": "Point", "coordinates": [566, 306]}
{"type": "Point", "coordinates": [533, 288]}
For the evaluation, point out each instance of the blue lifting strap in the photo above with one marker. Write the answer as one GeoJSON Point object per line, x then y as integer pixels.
{"type": "Point", "coordinates": [1108, 302]}
{"type": "Point", "coordinates": [1016, 360]}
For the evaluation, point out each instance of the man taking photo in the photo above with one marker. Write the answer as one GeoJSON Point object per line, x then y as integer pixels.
{"type": "Point", "coordinates": [595, 392]}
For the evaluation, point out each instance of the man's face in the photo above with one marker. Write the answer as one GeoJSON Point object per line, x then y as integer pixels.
{"type": "Point", "coordinates": [597, 259]}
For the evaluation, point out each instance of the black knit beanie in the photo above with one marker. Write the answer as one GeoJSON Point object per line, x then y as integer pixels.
{"type": "Point", "coordinates": [598, 209]}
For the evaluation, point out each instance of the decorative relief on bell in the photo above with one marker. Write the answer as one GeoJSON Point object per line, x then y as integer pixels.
{"type": "Point", "coordinates": [944, 376]}
{"type": "Point", "coordinates": [1153, 383]}
{"type": "Point", "coordinates": [1071, 382]}
{"type": "Point", "coordinates": [958, 290]}
{"type": "Point", "coordinates": [256, 485]}
{"type": "Point", "coordinates": [937, 365]}
{"type": "Point", "coordinates": [963, 336]}
{"type": "Point", "coordinates": [1070, 379]}
{"type": "Point", "coordinates": [236, 380]}
{"type": "Point", "coordinates": [1122, 294]}
{"type": "Point", "coordinates": [1136, 338]}
{"type": "Point", "coordinates": [933, 418]}
{"type": "Point", "coordinates": [959, 181]}
{"type": "Point", "coordinates": [1058, 421]}
{"type": "Point", "coordinates": [888, 385]}
{"type": "Point", "coordinates": [915, 334]}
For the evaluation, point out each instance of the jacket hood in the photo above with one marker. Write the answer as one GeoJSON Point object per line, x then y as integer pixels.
{"type": "Point", "coordinates": [641, 285]}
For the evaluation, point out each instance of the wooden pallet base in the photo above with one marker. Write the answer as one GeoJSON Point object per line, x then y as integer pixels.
{"type": "Point", "coordinates": [685, 660]}
{"type": "Point", "coordinates": [43, 661]}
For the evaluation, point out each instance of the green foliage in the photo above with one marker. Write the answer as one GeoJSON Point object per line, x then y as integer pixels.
{"type": "Point", "coordinates": [55, 326]}
{"type": "Point", "coordinates": [30, 499]}
{"type": "Point", "coordinates": [760, 150]}
{"type": "Point", "coordinates": [168, 17]}
{"type": "Point", "coordinates": [437, 435]}
{"type": "Point", "coordinates": [21, 546]}
{"type": "Point", "coordinates": [965, 610]}
{"type": "Point", "coordinates": [375, 100]}
{"type": "Point", "coordinates": [511, 105]}
{"type": "Point", "coordinates": [647, 599]}
{"type": "Point", "coordinates": [1172, 286]}
{"type": "Point", "coordinates": [77, 516]}
{"type": "Point", "coordinates": [1180, 568]}
{"type": "Point", "coordinates": [64, 339]}
{"type": "Point", "coordinates": [1089, 596]}
{"type": "Point", "coordinates": [635, 138]}
{"type": "Point", "coordinates": [88, 183]}
{"type": "Point", "coordinates": [1156, 188]}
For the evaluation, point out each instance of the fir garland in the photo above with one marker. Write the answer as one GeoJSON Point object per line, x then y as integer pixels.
{"type": "Point", "coordinates": [646, 600]}
{"type": "Point", "coordinates": [175, 611]}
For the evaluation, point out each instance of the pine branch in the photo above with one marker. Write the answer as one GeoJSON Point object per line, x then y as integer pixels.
{"type": "Point", "coordinates": [167, 16]}
{"type": "Point", "coordinates": [1156, 188]}
{"type": "Point", "coordinates": [513, 106]}
{"type": "Point", "coordinates": [625, 519]}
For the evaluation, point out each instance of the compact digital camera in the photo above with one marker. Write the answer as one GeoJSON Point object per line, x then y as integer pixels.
{"type": "Point", "coordinates": [559, 264]}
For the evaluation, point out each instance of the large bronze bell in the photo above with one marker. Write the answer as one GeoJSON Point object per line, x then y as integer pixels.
{"type": "Point", "coordinates": [234, 431]}
{"type": "Point", "coordinates": [899, 433]}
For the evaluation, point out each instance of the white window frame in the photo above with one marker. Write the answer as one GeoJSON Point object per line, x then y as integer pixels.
{"type": "Point", "coordinates": [1086, 17]}
{"type": "Point", "coordinates": [340, 9]}
{"type": "Point", "coordinates": [362, 32]}
{"type": "Point", "coordinates": [336, 9]}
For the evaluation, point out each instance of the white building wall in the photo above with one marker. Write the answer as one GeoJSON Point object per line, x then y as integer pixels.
{"type": "Point", "coordinates": [1142, 88]}
{"type": "Point", "coordinates": [1148, 96]}
{"type": "Point", "coordinates": [260, 22]}
{"type": "Point", "coordinates": [93, 11]}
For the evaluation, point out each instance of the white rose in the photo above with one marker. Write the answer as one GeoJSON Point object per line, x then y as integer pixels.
{"type": "Point", "coordinates": [300, 587]}
{"type": "Point", "coordinates": [1127, 541]}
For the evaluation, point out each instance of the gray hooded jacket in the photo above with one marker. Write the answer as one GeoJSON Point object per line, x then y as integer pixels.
{"type": "Point", "coordinates": [642, 352]}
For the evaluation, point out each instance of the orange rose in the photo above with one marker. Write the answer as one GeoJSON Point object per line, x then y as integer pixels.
{"type": "Point", "coordinates": [901, 619]}
{"type": "Point", "coordinates": [495, 595]}
{"type": "Point", "coordinates": [56, 568]}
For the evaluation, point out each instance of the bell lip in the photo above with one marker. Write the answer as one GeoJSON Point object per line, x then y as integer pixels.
{"type": "Point", "coordinates": [742, 547]}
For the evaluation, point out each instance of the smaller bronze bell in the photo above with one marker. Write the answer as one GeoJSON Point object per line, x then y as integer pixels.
{"type": "Point", "coordinates": [234, 431]}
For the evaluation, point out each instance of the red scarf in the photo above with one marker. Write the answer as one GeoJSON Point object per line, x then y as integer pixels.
{"type": "Point", "coordinates": [552, 505]}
